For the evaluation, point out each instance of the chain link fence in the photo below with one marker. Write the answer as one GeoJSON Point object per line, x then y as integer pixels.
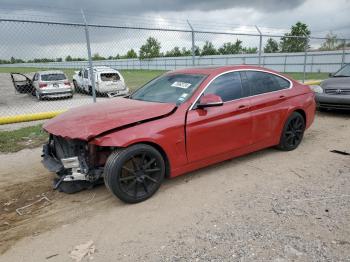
{"type": "Point", "coordinates": [48, 66]}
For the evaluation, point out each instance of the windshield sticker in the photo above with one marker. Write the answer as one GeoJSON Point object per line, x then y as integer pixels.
{"type": "Point", "coordinates": [181, 84]}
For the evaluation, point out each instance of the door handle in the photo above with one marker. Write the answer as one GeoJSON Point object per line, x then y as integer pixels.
{"type": "Point", "coordinates": [282, 97]}
{"type": "Point", "coordinates": [242, 106]}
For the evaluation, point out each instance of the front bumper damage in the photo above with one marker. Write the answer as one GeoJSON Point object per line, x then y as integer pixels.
{"type": "Point", "coordinates": [69, 159]}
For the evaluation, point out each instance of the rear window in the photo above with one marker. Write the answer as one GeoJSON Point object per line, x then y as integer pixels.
{"type": "Point", "coordinates": [262, 82]}
{"type": "Point", "coordinates": [53, 77]}
{"type": "Point", "coordinates": [110, 77]}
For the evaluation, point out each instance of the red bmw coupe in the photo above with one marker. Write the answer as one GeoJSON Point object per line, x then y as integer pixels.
{"type": "Point", "coordinates": [178, 122]}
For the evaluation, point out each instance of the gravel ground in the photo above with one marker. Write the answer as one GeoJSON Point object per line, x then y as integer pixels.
{"type": "Point", "coordinates": [266, 206]}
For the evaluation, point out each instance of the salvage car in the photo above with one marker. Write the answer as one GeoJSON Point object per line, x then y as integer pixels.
{"type": "Point", "coordinates": [107, 81]}
{"type": "Point", "coordinates": [334, 93]}
{"type": "Point", "coordinates": [44, 84]}
{"type": "Point", "coordinates": [181, 121]}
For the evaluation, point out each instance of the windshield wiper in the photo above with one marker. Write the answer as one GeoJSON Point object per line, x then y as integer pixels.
{"type": "Point", "coordinates": [340, 76]}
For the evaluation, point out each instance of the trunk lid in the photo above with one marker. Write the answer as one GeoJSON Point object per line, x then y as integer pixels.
{"type": "Point", "coordinates": [86, 122]}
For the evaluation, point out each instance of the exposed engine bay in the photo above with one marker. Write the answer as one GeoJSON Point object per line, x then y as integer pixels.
{"type": "Point", "coordinates": [75, 162]}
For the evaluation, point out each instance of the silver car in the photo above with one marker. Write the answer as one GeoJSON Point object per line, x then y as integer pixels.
{"type": "Point", "coordinates": [44, 84]}
{"type": "Point", "coordinates": [334, 92]}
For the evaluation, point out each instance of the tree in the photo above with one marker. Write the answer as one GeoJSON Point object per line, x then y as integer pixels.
{"type": "Point", "coordinates": [150, 49]}
{"type": "Point", "coordinates": [330, 43]}
{"type": "Point", "coordinates": [231, 48]}
{"type": "Point", "coordinates": [131, 54]}
{"type": "Point", "coordinates": [97, 56]}
{"type": "Point", "coordinates": [271, 46]}
{"type": "Point", "coordinates": [186, 52]}
{"type": "Point", "coordinates": [295, 44]}
{"type": "Point", "coordinates": [174, 52]}
{"type": "Point", "coordinates": [208, 49]}
{"type": "Point", "coordinates": [250, 50]}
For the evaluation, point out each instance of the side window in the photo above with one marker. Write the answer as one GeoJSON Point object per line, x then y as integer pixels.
{"type": "Point", "coordinates": [86, 74]}
{"type": "Point", "coordinates": [227, 86]}
{"type": "Point", "coordinates": [261, 82]}
{"type": "Point", "coordinates": [36, 77]}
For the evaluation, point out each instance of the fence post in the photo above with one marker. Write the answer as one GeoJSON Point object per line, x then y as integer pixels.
{"type": "Point", "coordinates": [87, 36]}
{"type": "Point", "coordinates": [285, 64]}
{"type": "Point", "coordinates": [260, 43]}
{"type": "Point", "coordinates": [193, 45]}
{"type": "Point", "coordinates": [343, 54]}
{"type": "Point", "coordinates": [305, 58]}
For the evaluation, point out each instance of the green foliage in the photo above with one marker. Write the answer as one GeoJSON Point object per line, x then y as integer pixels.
{"type": "Point", "coordinates": [294, 44]}
{"type": "Point", "coordinates": [174, 52]}
{"type": "Point", "coordinates": [208, 49]}
{"type": "Point", "coordinates": [231, 48]}
{"type": "Point", "coordinates": [97, 57]}
{"type": "Point", "coordinates": [250, 50]}
{"type": "Point", "coordinates": [271, 46]}
{"type": "Point", "coordinates": [150, 49]}
{"type": "Point", "coordinates": [69, 58]}
{"type": "Point", "coordinates": [131, 54]}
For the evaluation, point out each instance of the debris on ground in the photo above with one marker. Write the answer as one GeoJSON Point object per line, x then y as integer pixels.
{"type": "Point", "coordinates": [340, 152]}
{"type": "Point", "coordinates": [83, 250]}
{"type": "Point", "coordinates": [26, 209]}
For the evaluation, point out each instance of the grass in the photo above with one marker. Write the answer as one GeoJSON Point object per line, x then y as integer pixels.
{"type": "Point", "coordinates": [26, 137]}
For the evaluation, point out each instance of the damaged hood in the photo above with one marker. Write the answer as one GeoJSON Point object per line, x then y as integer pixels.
{"type": "Point", "coordinates": [86, 122]}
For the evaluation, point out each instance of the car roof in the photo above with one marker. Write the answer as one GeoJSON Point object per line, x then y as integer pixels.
{"type": "Point", "coordinates": [221, 69]}
{"type": "Point", "coordinates": [103, 68]}
{"type": "Point", "coordinates": [48, 72]}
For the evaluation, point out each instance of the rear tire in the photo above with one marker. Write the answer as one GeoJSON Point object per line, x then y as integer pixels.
{"type": "Point", "coordinates": [76, 87]}
{"type": "Point", "coordinates": [292, 133]}
{"type": "Point", "coordinates": [135, 173]}
{"type": "Point", "coordinates": [38, 95]}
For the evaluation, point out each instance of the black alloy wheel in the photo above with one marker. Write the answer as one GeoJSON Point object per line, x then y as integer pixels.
{"type": "Point", "coordinates": [135, 173]}
{"type": "Point", "coordinates": [293, 132]}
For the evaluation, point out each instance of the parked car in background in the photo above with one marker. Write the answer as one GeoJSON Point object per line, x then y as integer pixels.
{"type": "Point", "coordinates": [334, 92]}
{"type": "Point", "coordinates": [107, 81]}
{"type": "Point", "coordinates": [178, 122]}
{"type": "Point", "coordinates": [44, 84]}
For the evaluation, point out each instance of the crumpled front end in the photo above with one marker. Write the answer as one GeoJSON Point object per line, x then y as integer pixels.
{"type": "Point", "coordinates": [73, 161]}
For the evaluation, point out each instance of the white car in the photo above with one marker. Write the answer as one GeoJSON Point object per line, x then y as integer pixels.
{"type": "Point", "coordinates": [107, 81]}
{"type": "Point", "coordinates": [44, 84]}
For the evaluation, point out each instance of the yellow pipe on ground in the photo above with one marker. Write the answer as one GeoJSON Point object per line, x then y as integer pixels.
{"type": "Point", "coordinates": [313, 82]}
{"type": "Point", "coordinates": [28, 117]}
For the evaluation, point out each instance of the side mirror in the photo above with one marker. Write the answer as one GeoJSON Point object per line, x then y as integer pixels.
{"type": "Point", "coordinates": [210, 100]}
{"type": "Point", "coordinates": [79, 74]}
{"type": "Point", "coordinates": [330, 75]}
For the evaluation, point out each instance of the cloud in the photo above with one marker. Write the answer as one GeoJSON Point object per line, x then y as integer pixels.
{"type": "Point", "coordinates": [141, 6]}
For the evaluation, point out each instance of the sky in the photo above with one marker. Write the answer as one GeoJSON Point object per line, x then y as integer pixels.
{"type": "Point", "coordinates": [272, 16]}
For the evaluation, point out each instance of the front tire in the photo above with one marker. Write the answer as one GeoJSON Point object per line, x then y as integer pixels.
{"type": "Point", "coordinates": [135, 173]}
{"type": "Point", "coordinates": [293, 132]}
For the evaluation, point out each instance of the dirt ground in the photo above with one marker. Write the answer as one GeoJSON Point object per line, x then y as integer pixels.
{"type": "Point", "coordinates": [266, 206]}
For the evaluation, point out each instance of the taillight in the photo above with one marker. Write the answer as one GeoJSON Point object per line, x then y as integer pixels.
{"type": "Point", "coordinates": [41, 85]}
{"type": "Point", "coordinates": [66, 83]}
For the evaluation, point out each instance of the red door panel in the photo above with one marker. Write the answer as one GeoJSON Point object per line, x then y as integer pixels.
{"type": "Point", "coordinates": [268, 113]}
{"type": "Point", "coordinates": [216, 130]}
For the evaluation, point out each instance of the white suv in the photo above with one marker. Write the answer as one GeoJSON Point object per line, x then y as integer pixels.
{"type": "Point", "coordinates": [107, 81]}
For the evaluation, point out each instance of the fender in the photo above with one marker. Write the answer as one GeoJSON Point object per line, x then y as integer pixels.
{"type": "Point", "coordinates": [168, 135]}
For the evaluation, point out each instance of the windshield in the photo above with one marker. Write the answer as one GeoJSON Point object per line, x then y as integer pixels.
{"type": "Point", "coordinates": [345, 71]}
{"type": "Point", "coordinates": [170, 88]}
{"type": "Point", "coordinates": [53, 77]}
